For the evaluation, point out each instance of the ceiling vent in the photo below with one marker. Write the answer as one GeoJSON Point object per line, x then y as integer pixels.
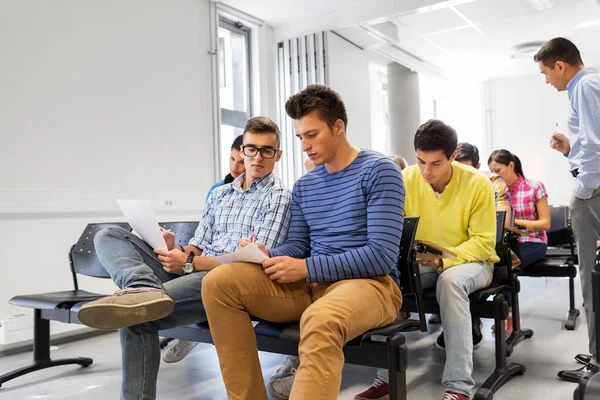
{"type": "Point", "coordinates": [525, 50]}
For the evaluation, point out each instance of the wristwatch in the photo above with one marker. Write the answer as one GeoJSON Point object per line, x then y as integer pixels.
{"type": "Point", "coordinates": [188, 267]}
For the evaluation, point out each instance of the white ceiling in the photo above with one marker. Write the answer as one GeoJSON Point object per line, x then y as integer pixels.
{"type": "Point", "coordinates": [460, 38]}
{"type": "Point", "coordinates": [278, 12]}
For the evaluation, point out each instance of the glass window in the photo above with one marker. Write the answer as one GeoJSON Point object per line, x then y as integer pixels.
{"type": "Point", "coordinates": [234, 84]}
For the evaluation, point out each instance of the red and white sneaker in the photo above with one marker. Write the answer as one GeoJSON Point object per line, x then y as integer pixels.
{"type": "Point", "coordinates": [448, 395]}
{"type": "Point", "coordinates": [379, 390]}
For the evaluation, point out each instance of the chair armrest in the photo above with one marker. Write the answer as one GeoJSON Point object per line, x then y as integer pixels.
{"type": "Point", "coordinates": [404, 325]}
{"type": "Point", "coordinates": [483, 294]}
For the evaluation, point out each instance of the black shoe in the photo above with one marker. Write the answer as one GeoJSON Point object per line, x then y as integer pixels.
{"type": "Point", "coordinates": [435, 319]}
{"type": "Point", "coordinates": [440, 343]}
{"type": "Point", "coordinates": [584, 359]}
{"type": "Point", "coordinates": [477, 336]}
{"type": "Point", "coordinates": [575, 375]}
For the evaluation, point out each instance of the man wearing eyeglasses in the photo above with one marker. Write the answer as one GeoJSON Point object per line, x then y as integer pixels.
{"type": "Point", "coordinates": [160, 288]}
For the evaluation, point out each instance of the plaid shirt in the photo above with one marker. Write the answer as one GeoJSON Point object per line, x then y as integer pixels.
{"type": "Point", "coordinates": [501, 195]}
{"type": "Point", "coordinates": [524, 195]}
{"type": "Point", "coordinates": [232, 213]}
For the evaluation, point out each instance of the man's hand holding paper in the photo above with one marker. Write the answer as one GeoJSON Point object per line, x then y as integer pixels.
{"type": "Point", "coordinates": [172, 260]}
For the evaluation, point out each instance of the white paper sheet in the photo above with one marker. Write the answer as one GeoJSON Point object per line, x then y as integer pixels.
{"type": "Point", "coordinates": [141, 217]}
{"type": "Point", "coordinates": [249, 253]}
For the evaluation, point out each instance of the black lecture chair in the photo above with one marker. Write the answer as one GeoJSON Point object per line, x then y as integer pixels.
{"type": "Point", "coordinates": [482, 307]}
{"type": "Point", "coordinates": [62, 306]}
{"type": "Point", "coordinates": [560, 260]}
{"type": "Point", "coordinates": [284, 338]}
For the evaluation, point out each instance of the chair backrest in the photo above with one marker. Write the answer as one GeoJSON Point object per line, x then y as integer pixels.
{"type": "Point", "coordinates": [502, 248]}
{"type": "Point", "coordinates": [83, 256]}
{"type": "Point", "coordinates": [500, 221]}
{"type": "Point", "coordinates": [409, 231]}
{"type": "Point", "coordinates": [560, 233]}
{"type": "Point", "coordinates": [410, 277]}
{"type": "Point", "coordinates": [184, 231]}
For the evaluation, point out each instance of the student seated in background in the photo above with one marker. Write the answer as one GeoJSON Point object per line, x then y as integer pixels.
{"type": "Point", "coordinates": [400, 161]}
{"type": "Point", "coordinates": [344, 239]}
{"type": "Point", "coordinates": [468, 154]}
{"type": "Point", "coordinates": [161, 288]}
{"type": "Point", "coordinates": [456, 207]}
{"type": "Point", "coordinates": [236, 164]}
{"type": "Point", "coordinates": [178, 349]}
{"type": "Point", "coordinates": [530, 202]}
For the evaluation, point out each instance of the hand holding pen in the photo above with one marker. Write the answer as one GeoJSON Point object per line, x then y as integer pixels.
{"type": "Point", "coordinates": [252, 239]}
{"type": "Point", "coordinates": [560, 142]}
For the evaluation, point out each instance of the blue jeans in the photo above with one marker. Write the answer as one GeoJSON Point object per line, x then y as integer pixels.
{"type": "Point", "coordinates": [532, 252]}
{"type": "Point", "coordinates": [453, 287]}
{"type": "Point", "coordinates": [131, 263]}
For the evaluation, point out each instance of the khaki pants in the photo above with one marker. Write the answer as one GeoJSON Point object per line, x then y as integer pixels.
{"type": "Point", "coordinates": [330, 315]}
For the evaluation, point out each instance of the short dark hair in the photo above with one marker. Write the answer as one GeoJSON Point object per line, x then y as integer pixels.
{"type": "Point", "coordinates": [467, 152]}
{"type": "Point", "coordinates": [262, 125]}
{"type": "Point", "coordinates": [505, 157]}
{"type": "Point", "coordinates": [321, 98]}
{"type": "Point", "coordinates": [435, 135]}
{"type": "Point", "coordinates": [237, 143]}
{"type": "Point", "coordinates": [558, 49]}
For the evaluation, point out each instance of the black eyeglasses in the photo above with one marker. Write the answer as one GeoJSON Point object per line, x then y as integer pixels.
{"type": "Point", "coordinates": [265, 152]}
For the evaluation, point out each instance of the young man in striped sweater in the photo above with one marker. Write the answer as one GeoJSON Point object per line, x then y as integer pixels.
{"type": "Point", "coordinates": [457, 210]}
{"type": "Point", "coordinates": [336, 273]}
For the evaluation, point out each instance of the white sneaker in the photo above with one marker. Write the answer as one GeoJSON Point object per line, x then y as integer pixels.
{"type": "Point", "coordinates": [282, 387]}
{"type": "Point", "coordinates": [288, 367]}
{"type": "Point", "coordinates": [177, 350]}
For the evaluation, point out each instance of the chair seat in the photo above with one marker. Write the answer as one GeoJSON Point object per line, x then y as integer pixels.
{"type": "Point", "coordinates": [551, 267]}
{"type": "Point", "coordinates": [287, 331]}
{"type": "Point", "coordinates": [291, 331]}
{"type": "Point", "coordinates": [558, 252]}
{"type": "Point", "coordinates": [479, 301]}
{"type": "Point", "coordinates": [50, 301]}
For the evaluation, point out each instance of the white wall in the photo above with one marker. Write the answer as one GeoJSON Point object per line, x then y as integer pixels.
{"type": "Point", "coordinates": [523, 112]}
{"type": "Point", "coordinates": [105, 95]}
{"type": "Point", "coordinates": [98, 98]}
{"type": "Point", "coordinates": [348, 74]}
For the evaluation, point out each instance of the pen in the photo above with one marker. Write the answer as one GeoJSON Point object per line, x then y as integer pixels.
{"type": "Point", "coordinates": [553, 141]}
{"type": "Point", "coordinates": [252, 238]}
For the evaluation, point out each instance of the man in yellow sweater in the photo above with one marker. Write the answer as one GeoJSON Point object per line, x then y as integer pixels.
{"type": "Point", "coordinates": [456, 207]}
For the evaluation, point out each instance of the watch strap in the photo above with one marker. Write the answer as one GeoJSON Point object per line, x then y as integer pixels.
{"type": "Point", "coordinates": [190, 258]}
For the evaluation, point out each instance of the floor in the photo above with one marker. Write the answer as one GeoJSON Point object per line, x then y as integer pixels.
{"type": "Point", "coordinates": [544, 305]}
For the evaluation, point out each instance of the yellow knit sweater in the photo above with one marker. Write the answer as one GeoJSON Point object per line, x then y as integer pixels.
{"type": "Point", "coordinates": [462, 219]}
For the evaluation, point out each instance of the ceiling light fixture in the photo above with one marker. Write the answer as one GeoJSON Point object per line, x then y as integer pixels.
{"type": "Point", "coordinates": [588, 24]}
{"type": "Point", "coordinates": [539, 5]}
{"type": "Point", "coordinates": [467, 20]}
{"type": "Point", "coordinates": [440, 6]}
